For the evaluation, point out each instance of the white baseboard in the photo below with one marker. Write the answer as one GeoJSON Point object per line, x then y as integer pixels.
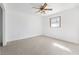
{"type": "Point", "coordinates": [23, 38]}
{"type": "Point", "coordinates": [62, 40]}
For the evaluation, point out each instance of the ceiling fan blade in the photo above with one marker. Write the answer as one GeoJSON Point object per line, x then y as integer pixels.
{"type": "Point", "coordinates": [38, 11]}
{"type": "Point", "coordinates": [44, 12]}
{"type": "Point", "coordinates": [35, 8]}
{"type": "Point", "coordinates": [48, 9]}
{"type": "Point", "coordinates": [45, 4]}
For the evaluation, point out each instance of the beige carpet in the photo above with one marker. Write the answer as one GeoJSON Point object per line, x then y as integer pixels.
{"type": "Point", "coordinates": [40, 45]}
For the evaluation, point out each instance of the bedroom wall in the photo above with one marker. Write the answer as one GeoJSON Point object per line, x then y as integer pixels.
{"type": "Point", "coordinates": [21, 24]}
{"type": "Point", "coordinates": [69, 30]}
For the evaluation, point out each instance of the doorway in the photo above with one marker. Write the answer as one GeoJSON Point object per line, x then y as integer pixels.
{"type": "Point", "coordinates": [1, 28]}
{"type": "Point", "coordinates": [2, 25]}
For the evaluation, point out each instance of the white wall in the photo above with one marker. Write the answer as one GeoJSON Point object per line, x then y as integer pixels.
{"type": "Point", "coordinates": [1, 24]}
{"type": "Point", "coordinates": [20, 24]}
{"type": "Point", "coordinates": [69, 30]}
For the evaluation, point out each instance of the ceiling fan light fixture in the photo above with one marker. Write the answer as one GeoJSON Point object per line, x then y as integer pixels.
{"type": "Point", "coordinates": [43, 8]}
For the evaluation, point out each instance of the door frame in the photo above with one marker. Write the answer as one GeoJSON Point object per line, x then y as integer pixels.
{"type": "Point", "coordinates": [4, 42]}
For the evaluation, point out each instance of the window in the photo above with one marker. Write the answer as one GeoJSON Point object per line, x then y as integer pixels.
{"type": "Point", "coordinates": [55, 22]}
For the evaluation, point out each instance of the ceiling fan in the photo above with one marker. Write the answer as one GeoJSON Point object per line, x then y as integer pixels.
{"type": "Point", "coordinates": [43, 9]}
